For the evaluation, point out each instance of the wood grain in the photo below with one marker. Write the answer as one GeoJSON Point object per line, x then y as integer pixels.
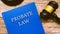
{"type": "Point", "coordinates": [50, 26]}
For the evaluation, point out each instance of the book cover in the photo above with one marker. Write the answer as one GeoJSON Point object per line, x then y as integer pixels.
{"type": "Point", "coordinates": [23, 20]}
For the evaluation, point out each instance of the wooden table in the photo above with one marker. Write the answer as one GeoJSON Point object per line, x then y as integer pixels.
{"type": "Point", "coordinates": [50, 26]}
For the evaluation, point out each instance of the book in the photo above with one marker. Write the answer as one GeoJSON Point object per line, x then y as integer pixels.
{"type": "Point", "coordinates": [23, 20]}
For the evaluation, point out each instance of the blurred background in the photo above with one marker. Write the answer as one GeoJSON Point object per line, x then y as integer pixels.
{"type": "Point", "coordinates": [49, 26]}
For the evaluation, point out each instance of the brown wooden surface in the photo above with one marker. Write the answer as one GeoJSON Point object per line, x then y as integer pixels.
{"type": "Point", "coordinates": [50, 26]}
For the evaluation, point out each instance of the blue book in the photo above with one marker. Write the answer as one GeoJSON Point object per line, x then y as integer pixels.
{"type": "Point", "coordinates": [23, 20]}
